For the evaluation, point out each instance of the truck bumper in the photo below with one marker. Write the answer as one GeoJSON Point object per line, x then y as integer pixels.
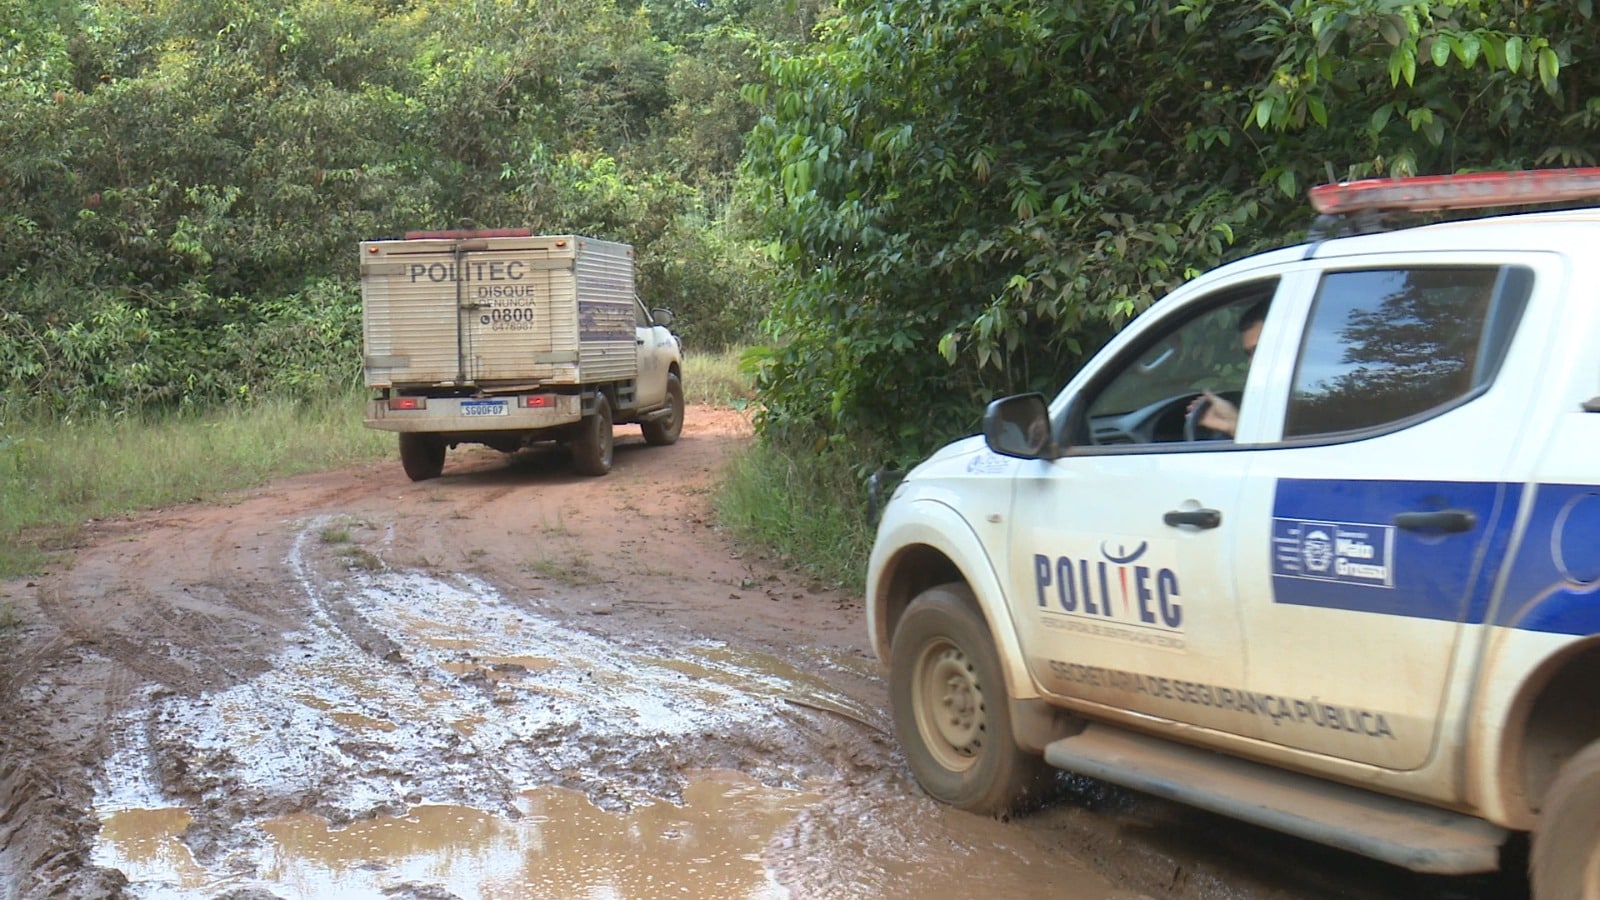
{"type": "Point", "coordinates": [466, 414]}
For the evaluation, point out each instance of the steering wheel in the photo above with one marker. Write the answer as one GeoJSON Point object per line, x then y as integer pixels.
{"type": "Point", "coordinates": [1192, 429]}
{"type": "Point", "coordinates": [1191, 420]}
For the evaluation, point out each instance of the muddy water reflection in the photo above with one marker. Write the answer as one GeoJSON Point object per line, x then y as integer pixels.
{"type": "Point", "coordinates": [148, 849]}
{"type": "Point", "coordinates": [563, 846]}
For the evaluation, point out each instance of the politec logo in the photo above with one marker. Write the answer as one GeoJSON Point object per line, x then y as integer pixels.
{"type": "Point", "coordinates": [1119, 585]}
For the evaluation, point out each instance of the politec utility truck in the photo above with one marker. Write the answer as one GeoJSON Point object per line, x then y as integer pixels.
{"type": "Point", "coordinates": [506, 338]}
{"type": "Point", "coordinates": [1314, 542]}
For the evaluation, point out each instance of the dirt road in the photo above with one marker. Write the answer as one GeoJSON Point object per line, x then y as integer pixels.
{"type": "Point", "coordinates": [517, 682]}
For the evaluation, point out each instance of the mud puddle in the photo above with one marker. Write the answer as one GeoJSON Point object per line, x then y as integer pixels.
{"type": "Point", "coordinates": [561, 846]}
{"type": "Point", "coordinates": [426, 736]}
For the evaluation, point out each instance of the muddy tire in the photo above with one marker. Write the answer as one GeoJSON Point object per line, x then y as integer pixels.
{"type": "Point", "coordinates": [1565, 863]}
{"type": "Point", "coordinates": [421, 455]}
{"type": "Point", "coordinates": [665, 430]}
{"type": "Point", "coordinates": [951, 710]}
{"type": "Point", "coordinates": [593, 446]}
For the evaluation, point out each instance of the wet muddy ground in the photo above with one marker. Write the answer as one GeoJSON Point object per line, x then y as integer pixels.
{"type": "Point", "coordinates": [516, 682]}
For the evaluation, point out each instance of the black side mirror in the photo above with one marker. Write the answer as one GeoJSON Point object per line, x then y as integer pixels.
{"type": "Point", "coordinates": [1020, 426]}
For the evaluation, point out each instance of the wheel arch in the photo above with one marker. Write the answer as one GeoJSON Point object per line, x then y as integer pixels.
{"type": "Point", "coordinates": [911, 570]}
{"type": "Point", "coordinates": [607, 390]}
{"type": "Point", "coordinates": [924, 544]}
{"type": "Point", "coordinates": [1554, 715]}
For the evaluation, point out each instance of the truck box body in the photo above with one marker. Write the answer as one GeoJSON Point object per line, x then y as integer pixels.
{"type": "Point", "coordinates": [505, 338]}
{"type": "Point", "coordinates": [497, 312]}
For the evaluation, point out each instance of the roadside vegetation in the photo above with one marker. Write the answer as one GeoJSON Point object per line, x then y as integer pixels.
{"type": "Point", "coordinates": [968, 197]}
{"type": "Point", "coordinates": [805, 509]}
{"type": "Point", "coordinates": [717, 378]}
{"type": "Point", "coordinates": [902, 208]}
{"type": "Point", "coordinates": [58, 474]}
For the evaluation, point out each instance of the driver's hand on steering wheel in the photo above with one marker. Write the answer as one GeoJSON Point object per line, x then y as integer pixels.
{"type": "Point", "coordinates": [1219, 415]}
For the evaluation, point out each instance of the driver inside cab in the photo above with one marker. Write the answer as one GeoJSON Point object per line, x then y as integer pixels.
{"type": "Point", "coordinates": [1220, 415]}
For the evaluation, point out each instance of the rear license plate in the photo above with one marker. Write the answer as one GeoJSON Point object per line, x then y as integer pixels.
{"type": "Point", "coordinates": [485, 408]}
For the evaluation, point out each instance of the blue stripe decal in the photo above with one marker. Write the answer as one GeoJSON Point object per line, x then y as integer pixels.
{"type": "Point", "coordinates": [1554, 584]}
{"type": "Point", "coordinates": [1335, 546]}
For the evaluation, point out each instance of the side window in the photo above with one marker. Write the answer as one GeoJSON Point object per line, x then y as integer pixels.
{"type": "Point", "coordinates": [1387, 345]}
{"type": "Point", "coordinates": [1152, 388]}
{"type": "Point", "coordinates": [641, 316]}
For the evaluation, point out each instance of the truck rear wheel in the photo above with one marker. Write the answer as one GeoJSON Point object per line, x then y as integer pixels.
{"type": "Point", "coordinates": [951, 710]}
{"type": "Point", "coordinates": [1566, 846]}
{"type": "Point", "coordinates": [421, 455]}
{"type": "Point", "coordinates": [666, 429]}
{"type": "Point", "coordinates": [592, 448]}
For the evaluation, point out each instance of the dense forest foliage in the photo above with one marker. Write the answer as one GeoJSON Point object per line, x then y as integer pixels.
{"type": "Point", "coordinates": [920, 203]}
{"type": "Point", "coordinates": [183, 183]}
{"type": "Point", "coordinates": [968, 196]}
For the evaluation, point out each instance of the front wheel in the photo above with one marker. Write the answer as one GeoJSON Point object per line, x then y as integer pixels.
{"type": "Point", "coordinates": [592, 448]}
{"type": "Point", "coordinates": [421, 455]}
{"type": "Point", "coordinates": [666, 429]}
{"type": "Point", "coordinates": [951, 711]}
{"type": "Point", "coordinates": [1565, 863]}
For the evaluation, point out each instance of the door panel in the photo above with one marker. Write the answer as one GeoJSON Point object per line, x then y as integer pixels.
{"type": "Point", "coordinates": [1372, 533]}
{"type": "Point", "coordinates": [1120, 553]}
{"type": "Point", "coordinates": [507, 321]}
{"type": "Point", "coordinates": [654, 351]}
{"type": "Point", "coordinates": [1352, 617]}
{"type": "Point", "coordinates": [1114, 604]}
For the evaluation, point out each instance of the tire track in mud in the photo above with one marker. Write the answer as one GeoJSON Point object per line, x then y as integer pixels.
{"type": "Point", "coordinates": [45, 831]}
{"type": "Point", "coordinates": [620, 720]}
{"type": "Point", "coordinates": [121, 621]}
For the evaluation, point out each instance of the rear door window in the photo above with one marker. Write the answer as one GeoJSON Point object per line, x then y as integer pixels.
{"type": "Point", "coordinates": [1388, 347]}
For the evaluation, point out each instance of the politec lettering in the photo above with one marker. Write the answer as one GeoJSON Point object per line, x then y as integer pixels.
{"type": "Point", "coordinates": [492, 270]}
{"type": "Point", "coordinates": [1079, 586]}
{"type": "Point", "coordinates": [1141, 584]}
{"type": "Point", "coordinates": [1166, 595]}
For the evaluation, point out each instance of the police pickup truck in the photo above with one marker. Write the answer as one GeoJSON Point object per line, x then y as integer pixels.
{"type": "Point", "coordinates": [1314, 543]}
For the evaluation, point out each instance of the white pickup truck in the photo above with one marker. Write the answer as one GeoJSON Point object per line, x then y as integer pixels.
{"type": "Point", "coordinates": [506, 338]}
{"type": "Point", "coordinates": [1314, 542]}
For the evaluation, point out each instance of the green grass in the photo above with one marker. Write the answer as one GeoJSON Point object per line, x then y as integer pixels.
{"type": "Point", "coordinates": [806, 510]}
{"type": "Point", "coordinates": [809, 511]}
{"type": "Point", "coordinates": [335, 535]}
{"type": "Point", "coordinates": [57, 474]}
{"type": "Point", "coordinates": [716, 379]}
{"type": "Point", "coordinates": [577, 572]}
